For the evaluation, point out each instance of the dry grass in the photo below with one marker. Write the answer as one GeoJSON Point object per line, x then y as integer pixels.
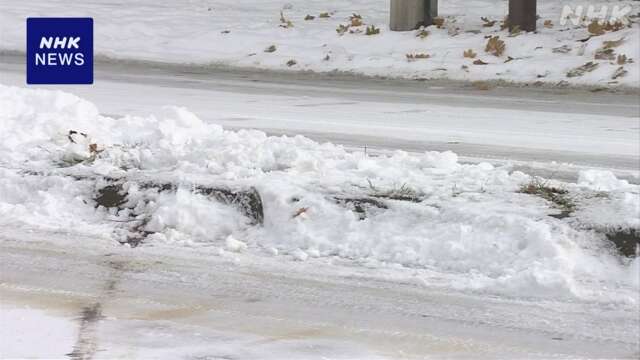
{"type": "Point", "coordinates": [559, 197]}
{"type": "Point", "coordinates": [495, 46]}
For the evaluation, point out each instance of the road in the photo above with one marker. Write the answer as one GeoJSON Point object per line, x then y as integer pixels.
{"type": "Point", "coordinates": [573, 127]}
{"type": "Point", "coordinates": [183, 303]}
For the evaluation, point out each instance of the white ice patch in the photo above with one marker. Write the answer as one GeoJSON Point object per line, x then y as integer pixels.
{"type": "Point", "coordinates": [468, 223]}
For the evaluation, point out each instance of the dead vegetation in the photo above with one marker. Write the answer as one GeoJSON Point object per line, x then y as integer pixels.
{"type": "Point", "coordinates": [487, 23]}
{"type": "Point", "coordinates": [582, 69]}
{"type": "Point", "coordinates": [495, 46]}
{"type": "Point", "coordinates": [622, 59]}
{"type": "Point", "coordinates": [356, 20]}
{"type": "Point", "coordinates": [469, 54]}
{"type": "Point", "coordinates": [115, 196]}
{"type": "Point", "coordinates": [559, 197]}
{"type": "Point", "coordinates": [597, 28]}
{"type": "Point", "coordinates": [422, 33]}
{"type": "Point", "coordinates": [372, 30]}
{"type": "Point", "coordinates": [620, 72]}
{"type": "Point", "coordinates": [481, 85]}
{"type": "Point", "coordinates": [403, 193]}
{"type": "Point", "coordinates": [284, 22]}
{"type": "Point", "coordinates": [417, 56]}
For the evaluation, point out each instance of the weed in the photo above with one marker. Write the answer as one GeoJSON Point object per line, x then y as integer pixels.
{"type": "Point", "coordinates": [557, 196]}
{"type": "Point", "coordinates": [422, 33]}
{"type": "Point", "coordinates": [372, 30]}
{"type": "Point", "coordinates": [402, 193]}
{"type": "Point", "coordinates": [341, 29]}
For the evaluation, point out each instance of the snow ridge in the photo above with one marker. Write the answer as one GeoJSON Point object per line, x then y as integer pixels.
{"type": "Point", "coordinates": [459, 225]}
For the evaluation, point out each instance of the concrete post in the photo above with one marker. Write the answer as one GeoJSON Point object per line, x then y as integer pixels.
{"type": "Point", "coordinates": [522, 14]}
{"type": "Point", "coordinates": [407, 15]}
{"type": "Point", "coordinates": [433, 8]}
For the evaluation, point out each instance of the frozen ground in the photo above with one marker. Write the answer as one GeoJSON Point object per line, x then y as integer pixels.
{"type": "Point", "coordinates": [237, 33]}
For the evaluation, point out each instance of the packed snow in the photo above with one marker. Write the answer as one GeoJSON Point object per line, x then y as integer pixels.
{"type": "Point", "coordinates": [252, 34]}
{"type": "Point", "coordinates": [465, 226]}
{"type": "Point", "coordinates": [35, 334]}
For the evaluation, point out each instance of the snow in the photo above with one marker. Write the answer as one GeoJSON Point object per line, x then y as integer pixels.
{"type": "Point", "coordinates": [32, 333]}
{"type": "Point", "coordinates": [472, 230]}
{"type": "Point", "coordinates": [601, 180]}
{"type": "Point", "coordinates": [235, 245]}
{"type": "Point", "coordinates": [236, 33]}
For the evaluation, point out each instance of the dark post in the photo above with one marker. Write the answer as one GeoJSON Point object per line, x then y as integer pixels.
{"type": "Point", "coordinates": [522, 14]}
{"type": "Point", "coordinates": [409, 15]}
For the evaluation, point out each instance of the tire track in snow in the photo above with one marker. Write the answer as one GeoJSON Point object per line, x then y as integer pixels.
{"type": "Point", "coordinates": [87, 343]}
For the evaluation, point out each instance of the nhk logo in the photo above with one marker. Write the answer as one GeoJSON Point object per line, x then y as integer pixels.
{"type": "Point", "coordinates": [59, 51]}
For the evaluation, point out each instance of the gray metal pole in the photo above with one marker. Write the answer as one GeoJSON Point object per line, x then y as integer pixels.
{"type": "Point", "coordinates": [407, 15]}
{"type": "Point", "coordinates": [522, 14]}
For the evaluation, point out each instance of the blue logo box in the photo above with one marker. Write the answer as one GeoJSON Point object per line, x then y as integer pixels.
{"type": "Point", "coordinates": [59, 51]}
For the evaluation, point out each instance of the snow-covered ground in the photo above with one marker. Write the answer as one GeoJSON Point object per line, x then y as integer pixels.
{"type": "Point", "coordinates": [237, 33]}
{"type": "Point", "coordinates": [468, 227]}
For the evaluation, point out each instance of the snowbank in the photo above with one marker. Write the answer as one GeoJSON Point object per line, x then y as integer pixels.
{"type": "Point", "coordinates": [237, 33]}
{"type": "Point", "coordinates": [469, 225]}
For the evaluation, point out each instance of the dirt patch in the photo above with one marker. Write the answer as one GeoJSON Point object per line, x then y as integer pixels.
{"type": "Point", "coordinates": [361, 206]}
{"type": "Point", "coordinates": [87, 344]}
{"type": "Point", "coordinates": [626, 241]}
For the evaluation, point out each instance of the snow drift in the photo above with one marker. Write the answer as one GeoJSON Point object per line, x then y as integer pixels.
{"type": "Point", "coordinates": [459, 225]}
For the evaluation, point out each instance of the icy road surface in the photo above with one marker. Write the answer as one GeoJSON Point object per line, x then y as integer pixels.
{"type": "Point", "coordinates": [107, 301]}
{"type": "Point", "coordinates": [557, 129]}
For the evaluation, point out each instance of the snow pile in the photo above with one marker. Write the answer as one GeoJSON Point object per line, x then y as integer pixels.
{"type": "Point", "coordinates": [237, 33]}
{"type": "Point", "coordinates": [466, 225]}
{"type": "Point", "coordinates": [601, 181]}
